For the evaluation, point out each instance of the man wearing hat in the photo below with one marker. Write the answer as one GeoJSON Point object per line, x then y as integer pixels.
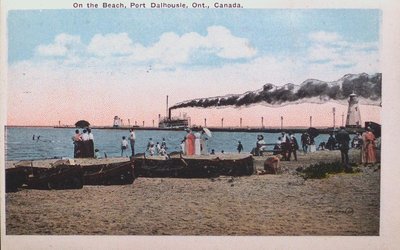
{"type": "Point", "coordinates": [343, 139]}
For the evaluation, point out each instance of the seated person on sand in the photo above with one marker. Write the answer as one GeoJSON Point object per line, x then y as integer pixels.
{"type": "Point", "coordinates": [97, 154]}
{"type": "Point", "coordinates": [331, 143]}
{"type": "Point", "coordinates": [271, 165]}
{"type": "Point", "coordinates": [152, 150]}
{"type": "Point", "coordinates": [259, 146]}
{"type": "Point", "coordinates": [321, 146]}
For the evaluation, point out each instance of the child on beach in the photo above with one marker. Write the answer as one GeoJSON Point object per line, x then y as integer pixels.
{"type": "Point", "coordinates": [152, 150]}
{"type": "Point", "coordinates": [124, 146]}
{"type": "Point", "coordinates": [239, 147]}
{"type": "Point", "coordinates": [97, 154]}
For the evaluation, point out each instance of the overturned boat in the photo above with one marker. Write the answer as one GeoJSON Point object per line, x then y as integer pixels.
{"type": "Point", "coordinates": [120, 173]}
{"type": "Point", "coordinates": [180, 166]}
{"type": "Point", "coordinates": [65, 174]}
{"type": "Point", "coordinates": [59, 176]}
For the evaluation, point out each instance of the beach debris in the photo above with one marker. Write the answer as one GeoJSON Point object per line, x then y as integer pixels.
{"type": "Point", "coordinates": [323, 169]}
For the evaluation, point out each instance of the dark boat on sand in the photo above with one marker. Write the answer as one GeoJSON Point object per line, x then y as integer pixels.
{"type": "Point", "coordinates": [63, 175]}
{"type": "Point", "coordinates": [120, 173]}
{"type": "Point", "coordinates": [60, 176]}
{"type": "Point", "coordinates": [193, 167]}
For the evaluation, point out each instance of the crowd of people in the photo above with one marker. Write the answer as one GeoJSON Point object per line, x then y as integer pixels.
{"type": "Point", "coordinates": [366, 142]}
{"type": "Point", "coordinates": [158, 148]}
{"type": "Point", "coordinates": [195, 143]}
{"type": "Point", "coordinates": [83, 144]}
{"type": "Point", "coordinates": [286, 145]}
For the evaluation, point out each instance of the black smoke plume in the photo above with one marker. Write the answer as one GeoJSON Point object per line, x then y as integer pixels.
{"type": "Point", "coordinates": [368, 88]}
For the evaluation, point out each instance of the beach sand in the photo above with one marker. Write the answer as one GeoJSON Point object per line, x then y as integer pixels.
{"type": "Point", "coordinates": [284, 204]}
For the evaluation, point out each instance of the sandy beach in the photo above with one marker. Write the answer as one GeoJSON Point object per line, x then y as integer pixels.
{"type": "Point", "coordinates": [284, 204]}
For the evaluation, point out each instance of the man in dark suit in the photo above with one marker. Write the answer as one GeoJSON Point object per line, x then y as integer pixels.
{"type": "Point", "coordinates": [343, 139]}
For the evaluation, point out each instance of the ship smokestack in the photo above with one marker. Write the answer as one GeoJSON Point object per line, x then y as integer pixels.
{"type": "Point", "coordinates": [168, 111]}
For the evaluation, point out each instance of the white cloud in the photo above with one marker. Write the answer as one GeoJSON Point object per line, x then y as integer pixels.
{"type": "Point", "coordinates": [324, 37]}
{"type": "Point", "coordinates": [330, 50]}
{"type": "Point", "coordinates": [169, 51]}
{"type": "Point", "coordinates": [228, 46]}
{"type": "Point", "coordinates": [110, 44]}
{"type": "Point", "coordinates": [63, 44]}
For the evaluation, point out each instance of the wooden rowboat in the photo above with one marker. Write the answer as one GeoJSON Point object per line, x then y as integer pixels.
{"type": "Point", "coordinates": [120, 173]}
{"type": "Point", "coordinates": [59, 177]}
{"type": "Point", "coordinates": [192, 167]}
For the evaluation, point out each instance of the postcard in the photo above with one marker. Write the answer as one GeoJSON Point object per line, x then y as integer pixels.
{"type": "Point", "coordinates": [175, 123]}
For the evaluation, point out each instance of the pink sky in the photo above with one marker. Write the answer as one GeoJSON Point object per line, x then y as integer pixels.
{"type": "Point", "coordinates": [46, 93]}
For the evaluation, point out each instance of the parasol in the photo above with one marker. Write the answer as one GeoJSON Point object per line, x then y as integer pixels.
{"type": "Point", "coordinates": [208, 132]}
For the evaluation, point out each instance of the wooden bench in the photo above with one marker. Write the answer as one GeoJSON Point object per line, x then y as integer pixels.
{"type": "Point", "coordinates": [266, 150]}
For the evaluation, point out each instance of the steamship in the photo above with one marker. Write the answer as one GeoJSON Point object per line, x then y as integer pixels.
{"type": "Point", "coordinates": [173, 122]}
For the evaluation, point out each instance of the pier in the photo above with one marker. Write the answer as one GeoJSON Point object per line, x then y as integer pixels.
{"type": "Point", "coordinates": [292, 129]}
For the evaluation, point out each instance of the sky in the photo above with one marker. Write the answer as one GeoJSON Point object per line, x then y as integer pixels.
{"type": "Point", "coordinates": [66, 65]}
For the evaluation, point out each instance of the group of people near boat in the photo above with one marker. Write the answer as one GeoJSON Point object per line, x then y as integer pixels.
{"type": "Point", "coordinates": [286, 145]}
{"type": "Point", "coordinates": [366, 142]}
{"type": "Point", "coordinates": [157, 148]}
{"type": "Point", "coordinates": [195, 142]}
{"type": "Point", "coordinates": [83, 144]}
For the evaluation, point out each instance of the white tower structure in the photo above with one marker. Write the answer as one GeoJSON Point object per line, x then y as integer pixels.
{"type": "Point", "coordinates": [117, 122]}
{"type": "Point", "coordinates": [353, 113]}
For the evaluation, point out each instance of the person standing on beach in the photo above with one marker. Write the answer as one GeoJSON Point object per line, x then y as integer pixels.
{"type": "Point", "coordinates": [164, 144]}
{"type": "Point", "coordinates": [278, 146]}
{"type": "Point", "coordinates": [197, 143]}
{"type": "Point", "coordinates": [85, 141]}
{"type": "Point", "coordinates": [285, 146]}
{"type": "Point", "coordinates": [343, 139]}
{"type": "Point", "coordinates": [77, 143]}
{"type": "Point", "coordinates": [157, 148]}
{"type": "Point", "coordinates": [183, 142]}
{"type": "Point", "coordinates": [124, 146]}
{"type": "Point", "coordinates": [189, 143]}
{"type": "Point", "coordinates": [239, 147]}
{"type": "Point", "coordinates": [305, 141]}
{"type": "Point", "coordinates": [132, 139]}
{"type": "Point", "coordinates": [203, 143]}
{"type": "Point", "coordinates": [90, 143]}
{"type": "Point", "coordinates": [369, 147]}
{"type": "Point", "coordinates": [150, 143]}
{"type": "Point", "coordinates": [294, 146]}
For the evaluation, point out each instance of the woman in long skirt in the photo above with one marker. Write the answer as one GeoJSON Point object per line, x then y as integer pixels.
{"type": "Point", "coordinates": [368, 147]}
{"type": "Point", "coordinates": [189, 143]}
{"type": "Point", "coordinates": [203, 144]}
{"type": "Point", "coordinates": [197, 144]}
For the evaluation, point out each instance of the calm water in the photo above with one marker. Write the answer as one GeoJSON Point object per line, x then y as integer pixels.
{"type": "Point", "coordinates": [57, 142]}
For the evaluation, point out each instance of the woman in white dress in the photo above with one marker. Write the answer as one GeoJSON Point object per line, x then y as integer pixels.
{"type": "Point", "coordinates": [197, 144]}
{"type": "Point", "coordinates": [203, 139]}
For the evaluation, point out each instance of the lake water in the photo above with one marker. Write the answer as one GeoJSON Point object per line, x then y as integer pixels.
{"type": "Point", "coordinates": [57, 142]}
